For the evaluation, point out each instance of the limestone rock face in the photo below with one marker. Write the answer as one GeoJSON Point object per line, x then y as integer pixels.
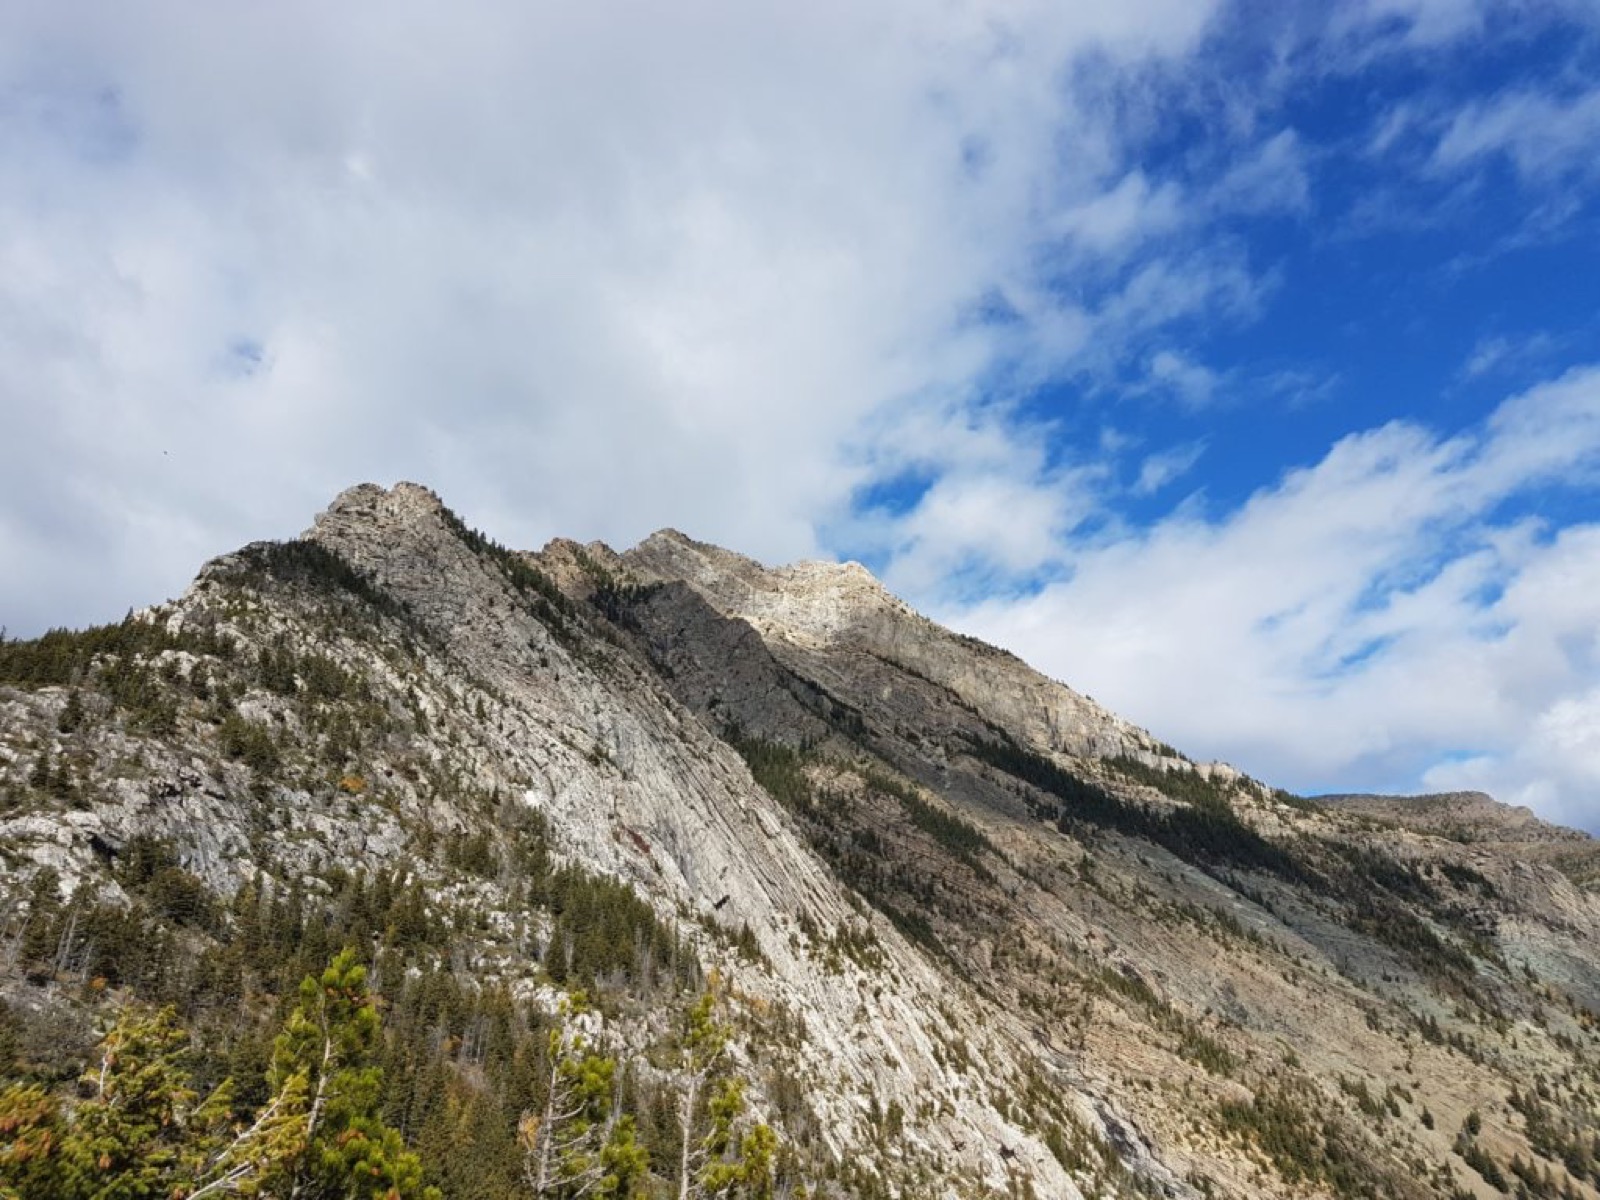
{"type": "Point", "coordinates": [636, 787]}
{"type": "Point", "coordinates": [1018, 946]}
{"type": "Point", "coordinates": [813, 610]}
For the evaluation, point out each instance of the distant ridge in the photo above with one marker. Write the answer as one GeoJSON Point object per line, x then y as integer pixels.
{"type": "Point", "coordinates": [1474, 815]}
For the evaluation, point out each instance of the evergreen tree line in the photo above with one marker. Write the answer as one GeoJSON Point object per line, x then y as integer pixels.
{"type": "Point", "coordinates": [454, 1073]}
{"type": "Point", "coordinates": [63, 657]}
{"type": "Point", "coordinates": [1381, 893]}
{"type": "Point", "coordinates": [177, 943]}
{"type": "Point", "coordinates": [460, 1064]}
{"type": "Point", "coordinates": [116, 660]}
{"type": "Point", "coordinates": [313, 566]}
{"type": "Point", "coordinates": [1204, 831]}
{"type": "Point", "coordinates": [549, 603]}
{"type": "Point", "coordinates": [902, 890]}
{"type": "Point", "coordinates": [142, 1125]}
{"type": "Point", "coordinates": [1557, 1136]}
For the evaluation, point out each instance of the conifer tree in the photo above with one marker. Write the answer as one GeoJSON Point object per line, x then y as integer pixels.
{"type": "Point", "coordinates": [72, 714]}
{"type": "Point", "coordinates": [579, 1145]}
{"type": "Point", "coordinates": [718, 1158]}
{"type": "Point", "coordinates": [326, 1139]}
{"type": "Point", "coordinates": [143, 1133]}
{"type": "Point", "coordinates": [44, 916]}
{"type": "Point", "coordinates": [30, 1139]}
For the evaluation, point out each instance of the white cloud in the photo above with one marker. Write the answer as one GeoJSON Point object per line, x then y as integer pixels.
{"type": "Point", "coordinates": [1487, 355]}
{"type": "Point", "coordinates": [586, 271]}
{"type": "Point", "coordinates": [1435, 25]}
{"type": "Point", "coordinates": [1395, 126]}
{"type": "Point", "coordinates": [1502, 355]}
{"type": "Point", "coordinates": [1554, 769]}
{"type": "Point", "coordinates": [1545, 136]}
{"type": "Point", "coordinates": [1429, 22]}
{"type": "Point", "coordinates": [1167, 290]}
{"type": "Point", "coordinates": [1270, 178]}
{"type": "Point", "coordinates": [1194, 384]}
{"type": "Point", "coordinates": [1131, 211]}
{"type": "Point", "coordinates": [1372, 618]}
{"type": "Point", "coordinates": [1158, 470]}
{"type": "Point", "coordinates": [983, 525]}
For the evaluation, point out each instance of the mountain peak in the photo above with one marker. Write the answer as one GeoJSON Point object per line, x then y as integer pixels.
{"type": "Point", "coordinates": [670, 553]}
{"type": "Point", "coordinates": [981, 936]}
{"type": "Point", "coordinates": [405, 503]}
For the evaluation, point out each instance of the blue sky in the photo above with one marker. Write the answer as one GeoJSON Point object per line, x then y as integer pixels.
{"type": "Point", "coordinates": [1233, 362]}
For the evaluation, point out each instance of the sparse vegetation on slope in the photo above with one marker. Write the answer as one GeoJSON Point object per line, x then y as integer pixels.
{"type": "Point", "coordinates": [915, 957]}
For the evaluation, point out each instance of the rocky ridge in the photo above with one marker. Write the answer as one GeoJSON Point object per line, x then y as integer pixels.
{"type": "Point", "coordinates": [1029, 948]}
{"type": "Point", "coordinates": [807, 609]}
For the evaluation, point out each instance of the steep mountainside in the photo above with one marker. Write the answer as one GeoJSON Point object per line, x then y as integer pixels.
{"type": "Point", "coordinates": [972, 935]}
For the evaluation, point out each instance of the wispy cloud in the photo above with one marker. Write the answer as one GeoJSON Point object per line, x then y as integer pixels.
{"type": "Point", "coordinates": [1158, 470]}
{"type": "Point", "coordinates": [1427, 22]}
{"type": "Point", "coordinates": [1132, 211]}
{"type": "Point", "coordinates": [1273, 177]}
{"type": "Point", "coordinates": [1194, 384]}
{"type": "Point", "coordinates": [1361, 620]}
{"type": "Point", "coordinates": [1498, 354]}
{"type": "Point", "coordinates": [1545, 136]}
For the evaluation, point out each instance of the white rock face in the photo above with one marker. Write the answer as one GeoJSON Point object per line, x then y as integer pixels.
{"type": "Point", "coordinates": [1030, 980]}
{"type": "Point", "coordinates": [640, 789]}
{"type": "Point", "coordinates": [817, 606]}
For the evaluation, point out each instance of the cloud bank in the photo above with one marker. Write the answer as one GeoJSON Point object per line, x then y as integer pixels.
{"type": "Point", "coordinates": [585, 272]}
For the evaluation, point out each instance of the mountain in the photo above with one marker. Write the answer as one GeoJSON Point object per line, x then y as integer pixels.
{"type": "Point", "coordinates": [966, 932]}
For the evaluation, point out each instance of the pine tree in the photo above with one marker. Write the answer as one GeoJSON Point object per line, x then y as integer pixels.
{"type": "Point", "coordinates": [737, 1164]}
{"type": "Point", "coordinates": [326, 1139]}
{"type": "Point", "coordinates": [30, 1139]}
{"type": "Point", "coordinates": [72, 714]}
{"type": "Point", "coordinates": [40, 776]}
{"type": "Point", "coordinates": [704, 1040]}
{"type": "Point", "coordinates": [144, 1133]}
{"type": "Point", "coordinates": [717, 1158]}
{"type": "Point", "coordinates": [44, 916]}
{"type": "Point", "coordinates": [578, 1144]}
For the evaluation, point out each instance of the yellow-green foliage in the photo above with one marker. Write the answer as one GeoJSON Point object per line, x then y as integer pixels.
{"type": "Point", "coordinates": [145, 1132]}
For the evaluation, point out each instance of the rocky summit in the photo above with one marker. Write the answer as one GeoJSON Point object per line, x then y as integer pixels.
{"type": "Point", "coordinates": [665, 873]}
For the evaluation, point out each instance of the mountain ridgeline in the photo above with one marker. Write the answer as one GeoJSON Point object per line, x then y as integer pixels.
{"type": "Point", "coordinates": [391, 862]}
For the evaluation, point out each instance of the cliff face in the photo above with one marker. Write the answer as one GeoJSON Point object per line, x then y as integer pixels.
{"type": "Point", "coordinates": [812, 613]}
{"type": "Point", "coordinates": [980, 935]}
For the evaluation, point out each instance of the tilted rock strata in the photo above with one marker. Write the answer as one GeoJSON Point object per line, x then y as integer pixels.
{"type": "Point", "coordinates": [1095, 958]}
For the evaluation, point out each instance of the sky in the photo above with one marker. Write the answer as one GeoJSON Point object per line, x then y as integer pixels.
{"type": "Point", "coordinates": [1236, 363]}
